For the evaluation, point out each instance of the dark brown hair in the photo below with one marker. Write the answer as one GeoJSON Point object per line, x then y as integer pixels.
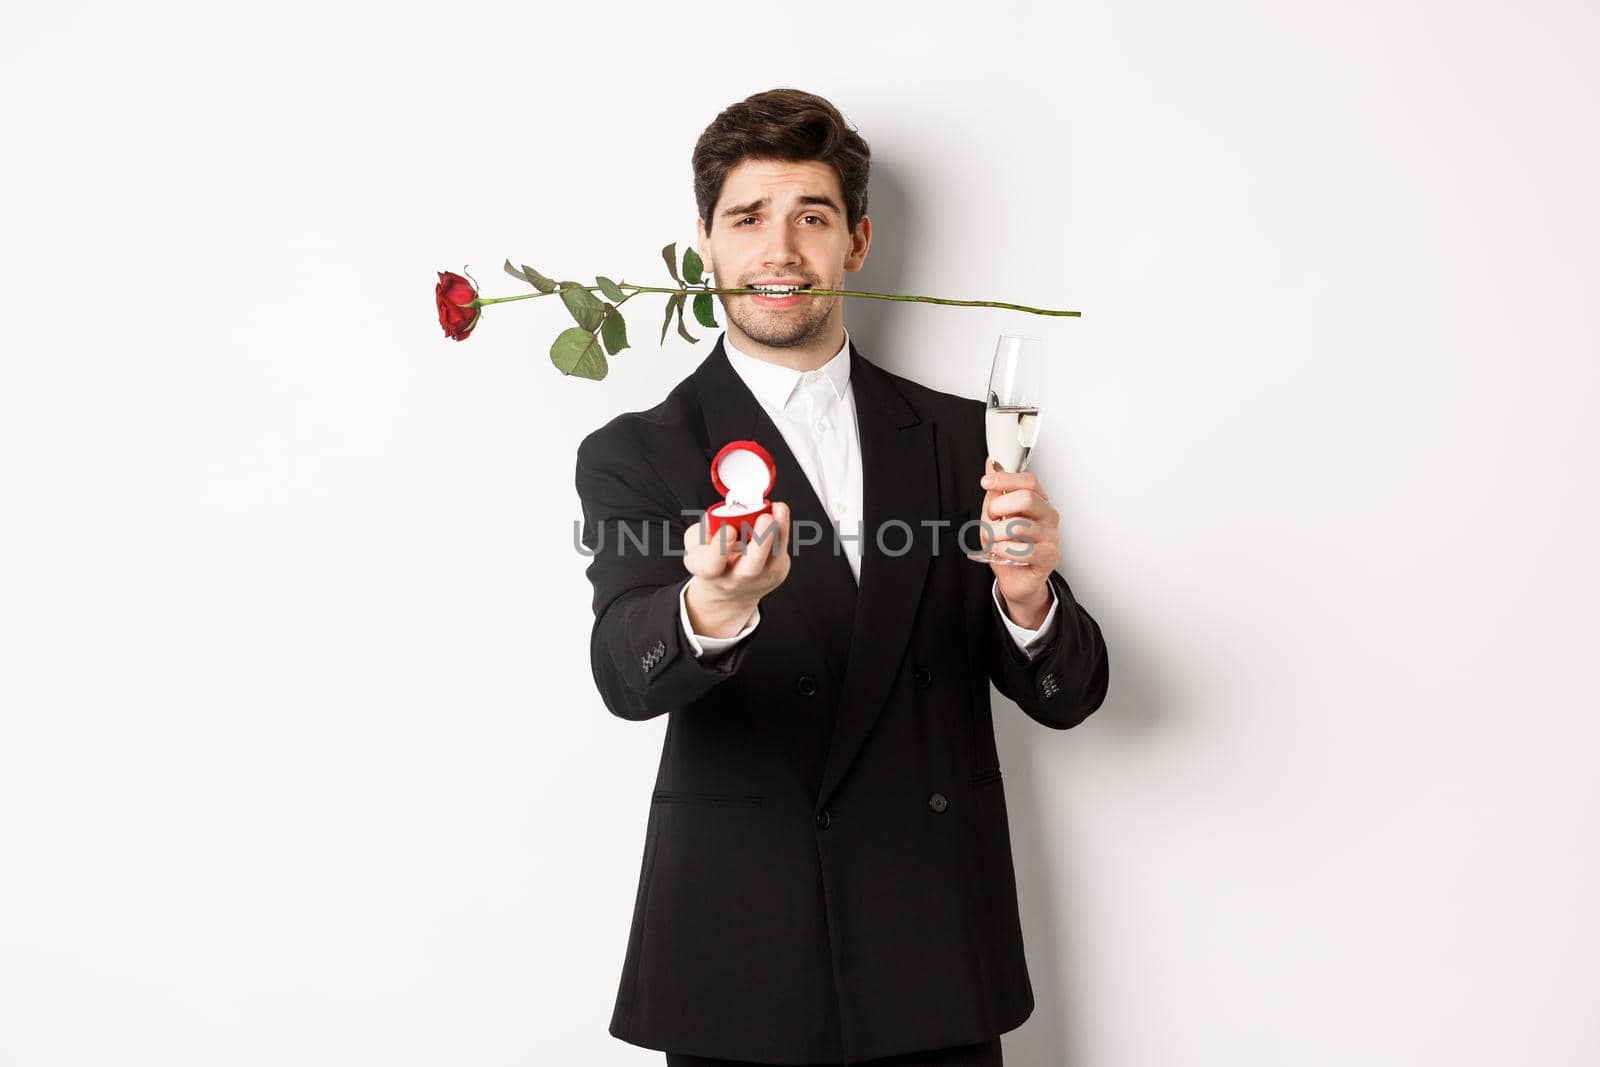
{"type": "Point", "coordinates": [781, 124]}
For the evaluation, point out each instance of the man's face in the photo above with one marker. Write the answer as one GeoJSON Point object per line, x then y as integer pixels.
{"type": "Point", "coordinates": [766, 226]}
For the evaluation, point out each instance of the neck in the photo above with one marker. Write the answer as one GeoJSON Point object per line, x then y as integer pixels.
{"type": "Point", "coordinates": [807, 356]}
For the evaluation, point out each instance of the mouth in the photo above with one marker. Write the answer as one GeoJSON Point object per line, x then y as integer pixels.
{"type": "Point", "coordinates": [783, 294]}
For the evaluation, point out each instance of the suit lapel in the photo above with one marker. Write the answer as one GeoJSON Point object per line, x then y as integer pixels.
{"type": "Point", "coordinates": [899, 482]}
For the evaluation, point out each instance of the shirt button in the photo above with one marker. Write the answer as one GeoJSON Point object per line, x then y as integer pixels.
{"type": "Point", "coordinates": [822, 819]}
{"type": "Point", "coordinates": [923, 677]}
{"type": "Point", "coordinates": [822, 425]}
{"type": "Point", "coordinates": [937, 802]}
{"type": "Point", "coordinates": [805, 684]}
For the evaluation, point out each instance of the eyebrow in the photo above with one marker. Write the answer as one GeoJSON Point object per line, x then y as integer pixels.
{"type": "Point", "coordinates": [806, 198]}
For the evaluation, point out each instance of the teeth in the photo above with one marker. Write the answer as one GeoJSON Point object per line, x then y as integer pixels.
{"type": "Point", "coordinates": [775, 288]}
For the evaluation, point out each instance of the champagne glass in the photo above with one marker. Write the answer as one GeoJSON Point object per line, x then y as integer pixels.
{"type": "Point", "coordinates": [1011, 421]}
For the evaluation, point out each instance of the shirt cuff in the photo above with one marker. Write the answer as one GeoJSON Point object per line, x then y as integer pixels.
{"type": "Point", "coordinates": [701, 645]}
{"type": "Point", "coordinates": [1029, 641]}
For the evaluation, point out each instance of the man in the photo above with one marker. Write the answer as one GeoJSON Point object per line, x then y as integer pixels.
{"type": "Point", "coordinates": [827, 873]}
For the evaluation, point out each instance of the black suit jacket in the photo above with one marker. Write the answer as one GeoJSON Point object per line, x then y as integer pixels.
{"type": "Point", "coordinates": [827, 871]}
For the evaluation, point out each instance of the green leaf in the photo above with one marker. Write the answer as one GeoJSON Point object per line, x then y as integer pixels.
{"type": "Point", "coordinates": [670, 254]}
{"type": "Point", "coordinates": [587, 309]}
{"type": "Point", "coordinates": [609, 287]}
{"type": "Point", "coordinates": [678, 302]}
{"type": "Point", "coordinates": [668, 320]}
{"type": "Point", "coordinates": [703, 311]}
{"type": "Point", "coordinates": [691, 266]}
{"type": "Point", "coordinates": [613, 331]}
{"type": "Point", "coordinates": [577, 351]}
{"type": "Point", "coordinates": [535, 279]}
{"type": "Point", "coordinates": [515, 273]}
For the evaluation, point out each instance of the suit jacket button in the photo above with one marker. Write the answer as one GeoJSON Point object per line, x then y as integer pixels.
{"type": "Point", "coordinates": [806, 684]}
{"type": "Point", "coordinates": [937, 802]}
{"type": "Point", "coordinates": [822, 819]}
{"type": "Point", "coordinates": [923, 677]}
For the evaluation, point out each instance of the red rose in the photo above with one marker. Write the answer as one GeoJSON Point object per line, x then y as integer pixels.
{"type": "Point", "coordinates": [453, 291]}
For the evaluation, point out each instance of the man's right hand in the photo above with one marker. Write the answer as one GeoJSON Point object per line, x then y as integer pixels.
{"type": "Point", "coordinates": [730, 576]}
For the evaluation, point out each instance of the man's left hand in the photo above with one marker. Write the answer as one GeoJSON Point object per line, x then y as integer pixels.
{"type": "Point", "coordinates": [1019, 522]}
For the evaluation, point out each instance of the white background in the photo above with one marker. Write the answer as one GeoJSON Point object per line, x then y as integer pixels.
{"type": "Point", "coordinates": [300, 757]}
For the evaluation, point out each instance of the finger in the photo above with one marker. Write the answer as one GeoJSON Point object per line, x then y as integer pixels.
{"type": "Point", "coordinates": [705, 560]}
{"type": "Point", "coordinates": [709, 556]}
{"type": "Point", "coordinates": [987, 510]}
{"type": "Point", "coordinates": [699, 535]}
{"type": "Point", "coordinates": [1040, 555]}
{"type": "Point", "coordinates": [999, 531]}
{"type": "Point", "coordinates": [1027, 502]}
{"type": "Point", "coordinates": [1021, 528]}
{"type": "Point", "coordinates": [758, 548]}
{"type": "Point", "coordinates": [1004, 480]}
{"type": "Point", "coordinates": [1029, 552]}
{"type": "Point", "coordinates": [777, 555]}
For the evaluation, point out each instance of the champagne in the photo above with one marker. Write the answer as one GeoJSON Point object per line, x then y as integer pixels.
{"type": "Point", "coordinates": [1011, 416]}
{"type": "Point", "coordinates": [1011, 433]}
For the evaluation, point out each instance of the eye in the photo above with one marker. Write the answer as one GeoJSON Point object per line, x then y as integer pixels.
{"type": "Point", "coordinates": [748, 218]}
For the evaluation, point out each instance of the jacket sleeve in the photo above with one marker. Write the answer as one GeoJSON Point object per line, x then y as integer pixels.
{"type": "Point", "coordinates": [703, 646]}
{"type": "Point", "coordinates": [1066, 680]}
{"type": "Point", "coordinates": [1030, 641]}
{"type": "Point", "coordinates": [633, 532]}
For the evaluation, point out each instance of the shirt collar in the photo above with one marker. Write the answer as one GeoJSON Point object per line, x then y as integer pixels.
{"type": "Point", "coordinates": [773, 384]}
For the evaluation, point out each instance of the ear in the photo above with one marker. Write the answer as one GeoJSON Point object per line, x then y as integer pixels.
{"type": "Point", "coordinates": [702, 244]}
{"type": "Point", "coordinates": [860, 239]}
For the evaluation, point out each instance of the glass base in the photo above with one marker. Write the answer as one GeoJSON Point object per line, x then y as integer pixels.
{"type": "Point", "coordinates": [996, 557]}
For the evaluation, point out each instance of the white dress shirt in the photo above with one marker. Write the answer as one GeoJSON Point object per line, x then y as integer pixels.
{"type": "Point", "coordinates": [815, 411]}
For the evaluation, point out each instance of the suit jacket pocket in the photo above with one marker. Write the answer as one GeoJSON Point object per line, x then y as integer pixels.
{"type": "Point", "coordinates": [676, 796]}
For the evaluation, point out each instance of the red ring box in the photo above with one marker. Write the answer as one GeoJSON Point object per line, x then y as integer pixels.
{"type": "Point", "coordinates": [743, 473]}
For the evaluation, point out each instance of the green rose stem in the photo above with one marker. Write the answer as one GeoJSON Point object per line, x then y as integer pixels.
{"type": "Point", "coordinates": [485, 301]}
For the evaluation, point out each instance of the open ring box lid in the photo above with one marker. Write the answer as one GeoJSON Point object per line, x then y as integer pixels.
{"type": "Point", "coordinates": [743, 473]}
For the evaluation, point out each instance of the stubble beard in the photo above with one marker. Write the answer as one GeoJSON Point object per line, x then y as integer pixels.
{"type": "Point", "coordinates": [791, 328]}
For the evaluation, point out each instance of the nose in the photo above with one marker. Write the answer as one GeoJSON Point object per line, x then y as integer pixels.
{"type": "Point", "coordinates": [780, 257]}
